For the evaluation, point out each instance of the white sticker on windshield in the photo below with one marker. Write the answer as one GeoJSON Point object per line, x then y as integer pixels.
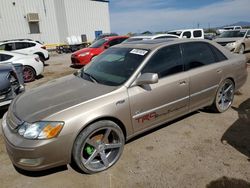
{"type": "Point", "coordinates": [138, 52]}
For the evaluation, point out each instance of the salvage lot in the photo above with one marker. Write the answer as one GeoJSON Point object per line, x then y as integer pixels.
{"type": "Point", "coordinates": [191, 152]}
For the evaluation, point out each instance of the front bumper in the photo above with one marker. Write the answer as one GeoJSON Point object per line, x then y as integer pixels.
{"type": "Point", "coordinates": [34, 155]}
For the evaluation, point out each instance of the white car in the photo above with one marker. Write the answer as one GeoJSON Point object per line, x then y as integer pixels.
{"type": "Point", "coordinates": [220, 31]}
{"type": "Point", "coordinates": [151, 37]}
{"type": "Point", "coordinates": [25, 46]}
{"type": "Point", "coordinates": [33, 66]}
{"type": "Point", "coordinates": [188, 33]}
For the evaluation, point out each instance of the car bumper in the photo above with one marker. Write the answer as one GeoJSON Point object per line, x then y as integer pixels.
{"type": "Point", "coordinates": [34, 155]}
{"type": "Point", "coordinates": [47, 58]}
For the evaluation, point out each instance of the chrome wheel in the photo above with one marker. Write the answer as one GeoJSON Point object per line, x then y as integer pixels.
{"type": "Point", "coordinates": [242, 49]}
{"type": "Point", "coordinates": [225, 95]}
{"type": "Point", "coordinates": [99, 147]}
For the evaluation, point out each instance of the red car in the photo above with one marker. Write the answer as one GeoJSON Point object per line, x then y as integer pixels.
{"type": "Point", "coordinates": [85, 55]}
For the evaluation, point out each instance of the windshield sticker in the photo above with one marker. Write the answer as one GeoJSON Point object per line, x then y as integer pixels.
{"type": "Point", "coordinates": [138, 52]}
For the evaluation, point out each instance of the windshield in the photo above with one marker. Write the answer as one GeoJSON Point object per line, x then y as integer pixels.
{"type": "Point", "coordinates": [232, 34]}
{"type": "Point", "coordinates": [115, 66]}
{"type": "Point", "coordinates": [98, 43]}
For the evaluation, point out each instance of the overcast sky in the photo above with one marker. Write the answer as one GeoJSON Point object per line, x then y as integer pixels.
{"type": "Point", "coordinates": [162, 15]}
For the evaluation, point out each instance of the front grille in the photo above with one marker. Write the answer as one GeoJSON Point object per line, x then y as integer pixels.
{"type": "Point", "coordinates": [12, 121]}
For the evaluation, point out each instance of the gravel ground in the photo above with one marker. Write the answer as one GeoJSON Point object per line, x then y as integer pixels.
{"type": "Point", "coordinates": [199, 150]}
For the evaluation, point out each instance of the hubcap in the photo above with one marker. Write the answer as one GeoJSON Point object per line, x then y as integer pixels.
{"type": "Point", "coordinates": [28, 74]}
{"type": "Point", "coordinates": [225, 96]}
{"type": "Point", "coordinates": [101, 149]}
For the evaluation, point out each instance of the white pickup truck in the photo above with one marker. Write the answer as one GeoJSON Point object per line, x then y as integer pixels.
{"type": "Point", "coordinates": [219, 31]}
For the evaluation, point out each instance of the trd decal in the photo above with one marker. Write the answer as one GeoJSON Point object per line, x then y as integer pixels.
{"type": "Point", "coordinates": [147, 117]}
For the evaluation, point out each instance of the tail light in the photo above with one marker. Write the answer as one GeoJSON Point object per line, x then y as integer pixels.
{"type": "Point", "coordinates": [43, 47]}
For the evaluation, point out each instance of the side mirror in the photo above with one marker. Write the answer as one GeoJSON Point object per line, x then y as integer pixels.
{"type": "Point", "coordinates": [106, 46]}
{"type": "Point", "coordinates": [147, 78]}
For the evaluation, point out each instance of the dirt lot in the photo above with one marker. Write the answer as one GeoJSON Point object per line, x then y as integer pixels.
{"type": "Point", "coordinates": [194, 151]}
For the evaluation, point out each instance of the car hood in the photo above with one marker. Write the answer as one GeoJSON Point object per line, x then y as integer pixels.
{"type": "Point", "coordinates": [227, 39]}
{"type": "Point", "coordinates": [84, 50]}
{"type": "Point", "coordinates": [41, 102]}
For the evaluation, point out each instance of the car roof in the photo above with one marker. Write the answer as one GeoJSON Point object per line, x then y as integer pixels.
{"type": "Point", "coordinates": [153, 36]}
{"type": "Point", "coordinates": [181, 30]}
{"type": "Point", "coordinates": [115, 37]}
{"type": "Point", "coordinates": [157, 43]}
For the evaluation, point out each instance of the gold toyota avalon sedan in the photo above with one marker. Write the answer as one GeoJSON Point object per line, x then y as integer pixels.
{"type": "Point", "coordinates": [87, 117]}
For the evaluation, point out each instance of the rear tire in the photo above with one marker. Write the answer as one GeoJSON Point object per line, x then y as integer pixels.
{"type": "Point", "coordinates": [224, 97]}
{"type": "Point", "coordinates": [98, 147]}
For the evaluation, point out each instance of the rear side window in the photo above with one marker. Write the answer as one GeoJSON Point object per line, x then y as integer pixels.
{"type": "Point", "coordinates": [116, 41]}
{"type": "Point", "coordinates": [219, 55]}
{"type": "Point", "coordinates": [187, 34]}
{"type": "Point", "coordinates": [197, 54]}
{"type": "Point", "coordinates": [7, 47]}
{"type": "Point", "coordinates": [23, 45]}
{"type": "Point", "coordinates": [5, 57]}
{"type": "Point", "coordinates": [197, 33]}
{"type": "Point", "coordinates": [166, 61]}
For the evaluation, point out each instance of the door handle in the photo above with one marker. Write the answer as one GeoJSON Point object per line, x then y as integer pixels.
{"type": "Point", "coordinates": [183, 82]}
{"type": "Point", "coordinates": [219, 71]}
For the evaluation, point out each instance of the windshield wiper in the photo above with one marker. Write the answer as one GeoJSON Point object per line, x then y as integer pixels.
{"type": "Point", "coordinates": [92, 78]}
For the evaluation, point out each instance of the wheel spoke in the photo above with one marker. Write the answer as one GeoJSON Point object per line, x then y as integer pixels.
{"type": "Point", "coordinates": [106, 135]}
{"type": "Point", "coordinates": [92, 143]}
{"type": "Point", "coordinates": [104, 158]}
{"type": "Point", "coordinates": [112, 146]}
{"type": "Point", "coordinates": [228, 88]}
{"type": "Point", "coordinates": [92, 156]}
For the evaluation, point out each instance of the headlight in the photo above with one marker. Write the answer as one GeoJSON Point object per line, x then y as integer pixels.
{"type": "Point", "coordinates": [231, 44]}
{"type": "Point", "coordinates": [40, 130]}
{"type": "Point", "coordinates": [83, 54]}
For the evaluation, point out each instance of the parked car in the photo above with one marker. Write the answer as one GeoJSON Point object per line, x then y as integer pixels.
{"type": "Point", "coordinates": [26, 46]}
{"type": "Point", "coordinates": [85, 55]}
{"type": "Point", "coordinates": [11, 83]}
{"type": "Point", "coordinates": [220, 31]}
{"type": "Point", "coordinates": [188, 33]}
{"type": "Point", "coordinates": [151, 37]}
{"type": "Point", "coordinates": [237, 41]}
{"type": "Point", "coordinates": [128, 89]}
{"type": "Point", "coordinates": [33, 66]}
{"type": "Point", "coordinates": [104, 35]}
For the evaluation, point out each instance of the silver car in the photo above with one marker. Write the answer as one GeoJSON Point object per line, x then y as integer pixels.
{"type": "Point", "coordinates": [237, 41]}
{"type": "Point", "coordinates": [130, 88]}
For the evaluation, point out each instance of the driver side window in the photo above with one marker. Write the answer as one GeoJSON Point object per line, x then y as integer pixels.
{"type": "Point", "coordinates": [165, 62]}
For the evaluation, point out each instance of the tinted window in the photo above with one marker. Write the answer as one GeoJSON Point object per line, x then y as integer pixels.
{"type": "Point", "coordinates": [219, 55]}
{"type": "Point", "coordinates": [197, 33]}
{"type": "Point", "coordinates": [197, 54]}
{"type": "Point", "coordinates": [5, 57]}
{"type": "Point", "coordinates": [187, 34]}
{"type": "Point", "coordinates": [9, 46]}
{"type": "Point", "coordinates": [116, 41]}
{"type": "Point", "coordinates": [98, 43]}
{"type": "Point", "coordinates": [231, 34]}
{"type": "Point", "coordinates": [23, 45]}
{"type": "Point", "coordinates": [165, 62]}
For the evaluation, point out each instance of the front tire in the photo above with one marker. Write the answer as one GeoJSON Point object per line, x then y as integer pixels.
{"type": "Point", "coordinates": [29, 74]}
{"type": "Point", "coordinates": [242, 49]}
{"type": "Point", "coordinates": [98, 147]}
{"type": "Point", "coordinates": [224, 96]}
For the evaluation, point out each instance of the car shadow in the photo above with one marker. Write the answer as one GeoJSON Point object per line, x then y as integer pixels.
{"type": "Point", "coordinates": [76, 66]}
{"type": "Point", "coordinates": [41, 173]}
{"type": "Point", "coordinates": [226, 182]}
{"type": "Point", "coordinates": [237, 135]}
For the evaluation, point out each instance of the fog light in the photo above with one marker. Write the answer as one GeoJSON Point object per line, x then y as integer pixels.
{"type": "Point", "coordinates": [30, 162]}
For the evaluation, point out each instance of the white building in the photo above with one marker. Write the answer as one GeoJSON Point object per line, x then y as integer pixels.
{"type": "Point", "coordinates": [52, 21]}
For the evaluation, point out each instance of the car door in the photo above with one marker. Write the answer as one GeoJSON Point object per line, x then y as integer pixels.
{"type": "Point", "coordinates": [205, 73]}
{"type": "Point", "coordinates": [156, 103]}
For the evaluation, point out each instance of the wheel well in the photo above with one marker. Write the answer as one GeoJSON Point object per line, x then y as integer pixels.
{"type": "Point", "coordinates": [40, 54]}
{"type": "Point", "coordinates": [115, 120]}
{"type": "Point", "coordinates": [230, 78]}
